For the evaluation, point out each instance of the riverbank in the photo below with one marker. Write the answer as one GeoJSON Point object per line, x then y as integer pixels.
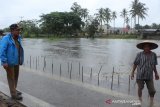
{"type": "Point", "coordinates": [54, 37]}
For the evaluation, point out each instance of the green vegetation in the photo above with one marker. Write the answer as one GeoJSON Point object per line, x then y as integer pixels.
{"type": "Point", "coordinates": [103, 36]}
{"type": "Point", "coordinates": [138, 10]}
{"type": "Point", "coordinates": [79, 23]}
{"type": "Point", "coordinates": [59, 23]}
{"type": "Point", "coordinates": [124, 14]}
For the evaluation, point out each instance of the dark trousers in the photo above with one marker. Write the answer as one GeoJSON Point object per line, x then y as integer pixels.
{"type": "Point", "coordinates": [12, 77]}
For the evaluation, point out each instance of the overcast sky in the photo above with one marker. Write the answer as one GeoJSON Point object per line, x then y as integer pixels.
{"type": "Point", "coordinates": [12, 11]}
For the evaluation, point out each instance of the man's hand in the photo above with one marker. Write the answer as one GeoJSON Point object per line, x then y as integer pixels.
{"type": "Point", "coordinates": [132, 76]}
{"type": "Point", "coordinates": [156, 76]}
{"type": "Point", "coordinates": [132, 73]}
{"type": "Point", "coordinates": [5, 66]}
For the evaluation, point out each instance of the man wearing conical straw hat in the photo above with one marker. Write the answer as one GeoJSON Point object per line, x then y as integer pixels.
{"type": "Point", "coordinates": [146, 62]}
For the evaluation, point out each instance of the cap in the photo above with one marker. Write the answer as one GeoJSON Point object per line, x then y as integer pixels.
{"type": "Point", "coordinates": [14, 26]}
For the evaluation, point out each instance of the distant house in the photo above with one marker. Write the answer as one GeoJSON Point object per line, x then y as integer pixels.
{"type": "Point", "coordinates": [149, 33]}
{"type": "Point", "coordinates": [116, 30]}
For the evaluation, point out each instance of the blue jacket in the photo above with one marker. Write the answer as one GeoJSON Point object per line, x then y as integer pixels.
{"type": "Point", "coordinates": [8, 51]}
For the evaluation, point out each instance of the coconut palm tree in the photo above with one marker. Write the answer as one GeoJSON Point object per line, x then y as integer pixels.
{"type": "Point", "coordinates": [127, 23]}
{"type": "Point", "coordinates": [76, 8]}
{"type": "Point", "coordinates": [142, 11]}
{"type": "Point", "coordinates": [139, 10]}
{"type": "Point", "coordinates": [124, 14]}
{"type": "Point", "coordinates": [134, 10]}
{"type": "Point", "coordinates": [127, 20]}
{"type": "Point", "coordinates": [84, 13]}
{"type": "Point", "coordinates": [100, 16]}
{"type": "Point", "coordinates": [107, 15]}
{"type": "Point", "coordinates": [114, 16]}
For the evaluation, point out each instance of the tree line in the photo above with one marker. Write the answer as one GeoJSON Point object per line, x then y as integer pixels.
{"type": "Point", "coordinates": [79, 21]}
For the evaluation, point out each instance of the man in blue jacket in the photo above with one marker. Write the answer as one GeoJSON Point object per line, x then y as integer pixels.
{"type": "Point", "coordinates": [12, 55]}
